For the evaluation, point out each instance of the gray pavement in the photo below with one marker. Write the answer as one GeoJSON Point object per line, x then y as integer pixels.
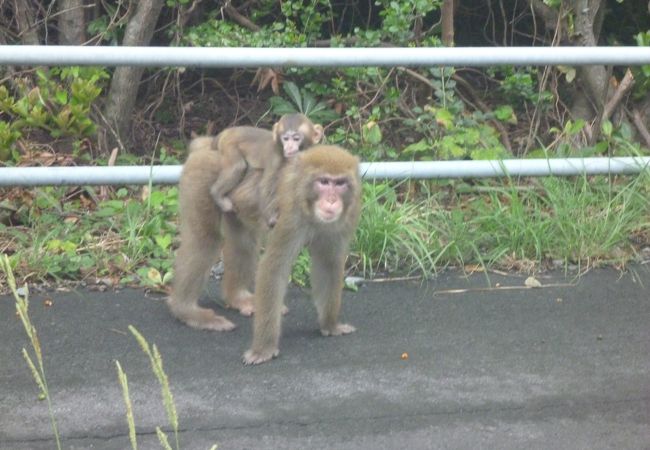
{"type": "Point", "coordinates": [565, 367]}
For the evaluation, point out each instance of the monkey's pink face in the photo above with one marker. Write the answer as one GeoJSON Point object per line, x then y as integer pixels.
{"type": "Point", "coordinates": [291, 142]}
{"type": "Point", "coordinates": [330, 203]}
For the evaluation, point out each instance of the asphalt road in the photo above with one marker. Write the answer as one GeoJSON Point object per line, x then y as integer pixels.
{"type": "Point", "coordinates": [563, 367]}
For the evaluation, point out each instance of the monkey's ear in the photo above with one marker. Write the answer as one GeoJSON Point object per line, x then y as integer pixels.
{"type": "Point", "coordinates": [318, 133]}
{"type": "Point", "coordinates": [276, 132]}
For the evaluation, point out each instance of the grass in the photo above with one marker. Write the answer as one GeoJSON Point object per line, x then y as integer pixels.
{"type": "Point", "coordinates": [125, 239]}
{"type": "Point", "coordinates": [130, 420]}
{"type": "Point", "coordinates": [393, 236]}
{"type": "Point", "coordinates": [129, 237]}
{"type": "Point", "coordinates": [37, 369]}
{"type": "Point", "coordinates": [570, 220]}
{"type": "Point", "coordinates": [522, 225]}
{"type": "Point", "coordinates": [168, 400]}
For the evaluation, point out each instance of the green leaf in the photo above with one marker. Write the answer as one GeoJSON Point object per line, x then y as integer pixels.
{"type": "Point", "coordinates": [569, 72]}
{"type": "Point", "coordinates": [451, 149]}
{"type": "Point", "coordinates": [293, 92]}
{"type": "Point", "coordinates": [487, 153]}
{"type": "Point", "coordinates": [163, 241]}
{"type": "Point", "coordinates": [573, 128]}
{"type": "Point", "coordinates": [607, 128]}
{"type": "Point", "coordinates": [62, 97]}
{"type": "Point", "coordinates": [308, 103]}
{"type": "Point", "coordinates": [372, 133]}
{"type": "Point", "coordinates": [445, 118]}
{"type": "Point", "coordinates": [421, 146]}
{"type": "Point", "coordinates": [41, 75]}
{"type": "Point", "coordinates": [167, 278]}
{"type": "Point", "coordinates": [505, 113]}
{"type": "Point", "coordinates": [281, 106]}
{"type": "Point", "coordinates": [646, 70]}
{"type": "Point", "coordinates": [154, 275]}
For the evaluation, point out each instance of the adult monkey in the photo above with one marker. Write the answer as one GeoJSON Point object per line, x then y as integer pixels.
{"type": "Point", "coordinates": [245, 148]}
{"type": "Point", "coordinates": [204, 224]}
{"type": "Point", "coordinates": [319, 195]}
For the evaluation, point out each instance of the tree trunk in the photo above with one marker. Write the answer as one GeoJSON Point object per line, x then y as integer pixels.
{"type": "Point", "coordinates": [25, 19]}
{"type": "Point", "coordinates": [447, 20]}
{"type": "Point", "coordinates": [72, 22]}
{"type": "Point", "coordinates": [588, 21]}
{"type": "Point", "coordinates": [125, 82]}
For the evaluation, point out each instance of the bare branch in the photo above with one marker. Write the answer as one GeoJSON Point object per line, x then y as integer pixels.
{"type": "Point", "coordinates": [623, 88]}
{"type": "Point", "coordinates": [239, 18]}
{"type": "Point", "coordinates": [640, 125]}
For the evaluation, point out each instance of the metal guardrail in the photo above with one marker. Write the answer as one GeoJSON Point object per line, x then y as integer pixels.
{"type": "Point", "coordinates": [93, 175]}
{"type": "Point", "coordinates": [325, 57]}
{"type": "Point", "coordinates": [319, 57]}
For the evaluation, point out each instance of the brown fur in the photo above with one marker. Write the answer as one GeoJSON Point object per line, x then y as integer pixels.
{"type": "Point", "coordinates": [242, 162]}
{"type": "Point", "coordinates": [202, 226]}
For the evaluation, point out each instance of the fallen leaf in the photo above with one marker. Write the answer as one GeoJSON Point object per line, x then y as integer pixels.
{"type": "Point", "coordinates": [532, 282]}
{"type": "Point", "coordinates": [471, 268]}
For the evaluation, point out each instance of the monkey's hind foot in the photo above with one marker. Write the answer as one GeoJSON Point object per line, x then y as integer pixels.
{"type": "Point", "coordinates": [252, 357]}
{"type": "Point", "coordinates": [201, 318]}
{"type": "Point", "coordinates": [242, 302]}
{"type": "Point", "coordinates": [338, 330]}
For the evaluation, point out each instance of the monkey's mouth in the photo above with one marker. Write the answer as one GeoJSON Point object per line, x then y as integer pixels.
{"type": "Point", "coordinates": [328, 215]}
{"type": "Point", "coordinates": [290, 153]}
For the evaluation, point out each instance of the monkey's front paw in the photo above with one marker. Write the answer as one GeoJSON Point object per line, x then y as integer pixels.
{"type": "Point", "coordinates": [252, 357]}
{"type": "Point", "coordinates": [225, 204]}
{"type": "Point", "coordinates": [338, 330]}
{"type": "Point", "coordinates": [272, 220]}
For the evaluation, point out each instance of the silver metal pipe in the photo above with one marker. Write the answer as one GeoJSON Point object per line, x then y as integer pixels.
{"type": "Point", "coordinates": [139, 175]}
{"type": "Point", "coordinates": [319, 57]}
{"type": "Point", "coordinates": [507, 167]}
{"type": "Point", "coordinates": [88, 175]}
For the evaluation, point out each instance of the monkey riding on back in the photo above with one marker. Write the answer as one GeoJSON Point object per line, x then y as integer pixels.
{"type": "Point", "coordinates": [226, 202]}
{"type": "Point", "coordinates": [318, 198]}
{"type": "Point", "coordinates": [241, 149]}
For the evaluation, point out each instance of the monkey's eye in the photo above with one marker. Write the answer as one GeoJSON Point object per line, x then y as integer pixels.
{"type": "Point", "coordinates": [341, 182]}
{"type": "Point", "coordinates": [323, 181]}
{"type": "Point", "coordinates": [297, 137]}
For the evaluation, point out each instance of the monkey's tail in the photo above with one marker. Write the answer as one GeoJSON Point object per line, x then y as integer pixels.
{"type": "Point", "coordinates": [202, 143]}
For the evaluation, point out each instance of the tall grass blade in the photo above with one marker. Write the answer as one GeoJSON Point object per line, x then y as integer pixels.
{"type": "Point", "coordinates": [22, 307]}
{"type": "Point", "coordinates": [157, 367]}
{"type": "Point", "coordinates": [162, 437]}
{"type": "Point", "coordinates": [127, 402]}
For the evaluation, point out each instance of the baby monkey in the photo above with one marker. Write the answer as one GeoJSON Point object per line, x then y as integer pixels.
{"type": "Point", "coordinates": [248, 148]}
